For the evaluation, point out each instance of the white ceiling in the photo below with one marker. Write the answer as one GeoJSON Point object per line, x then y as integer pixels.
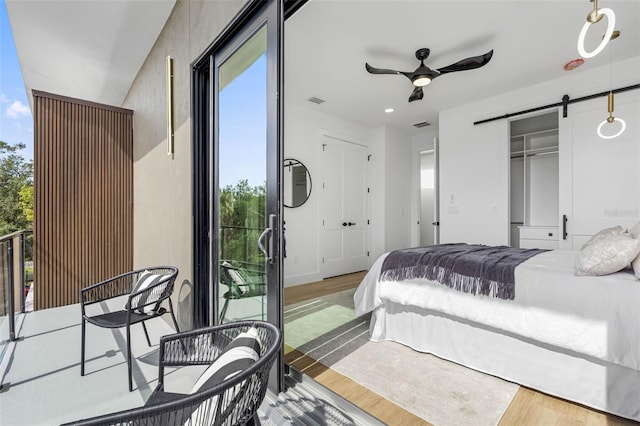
{"type": "Point", "coordinates": [93, 49]}
{"type": "Point", "coordinates": [327, 43]}
{"type": "Point", "coordinates": [89, 49]}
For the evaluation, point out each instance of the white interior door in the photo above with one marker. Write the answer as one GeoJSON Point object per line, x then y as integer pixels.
{"type": "Point", "coordinates": [428, 219]}
{"type": "Point", "coordinates": [344, 218]}
{"type": "Point", "coordinates": [600, 178]}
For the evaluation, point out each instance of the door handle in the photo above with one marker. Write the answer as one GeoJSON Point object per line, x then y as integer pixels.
{"type": "Point", "coordinates": [564, 226]}
{"type": "Point", "coordinates": [272, 239]}
{"type": "Point", "coordinates": [351, 223]}
{"type": "Point", "coordinates": [435, 223]}
{"type": "Point", "coordinates": [261, 246]}
{"type": "Point", "coordinates": [344, 223]}
{"type": "Point", "coordinates": [268, 233]}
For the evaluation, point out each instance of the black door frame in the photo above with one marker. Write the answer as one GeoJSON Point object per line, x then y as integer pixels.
{"type": "Point", "coordinates": [204, 155]}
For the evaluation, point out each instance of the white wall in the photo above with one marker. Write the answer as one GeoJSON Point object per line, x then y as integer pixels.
{"type": "Point", "coordinates": [474, 160]}
{"type": "Point", "coordinates": [303, 130]}
{"type": "Point", "coordinates": [389, 180]}
{"type": "Point", "coordinates": [397, 203]}
{"type": "Point", "coordinates": [474, 179]}
{"type": "Point", "coordinates": [377, 196]}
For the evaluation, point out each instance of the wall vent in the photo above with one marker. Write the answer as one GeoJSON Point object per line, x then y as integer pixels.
{"type": "Point", "coordinates": [422, 124]}
{"type": "Point", "coordinates": [316, 100]}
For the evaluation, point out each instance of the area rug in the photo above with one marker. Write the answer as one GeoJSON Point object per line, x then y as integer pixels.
{"type": "Point", "coordinates": [441, 392]}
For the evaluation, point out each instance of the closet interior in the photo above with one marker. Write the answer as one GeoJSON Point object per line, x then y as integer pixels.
{"type": "Point", "coordinates": [534, 181]}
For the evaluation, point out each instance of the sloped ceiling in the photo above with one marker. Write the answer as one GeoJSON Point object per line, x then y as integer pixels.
{"type": "Point", "coordinates": [90, 49]}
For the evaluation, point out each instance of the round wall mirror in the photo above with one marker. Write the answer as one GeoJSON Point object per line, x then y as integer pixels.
{"type": "Point", "coordinates": [297, 183]}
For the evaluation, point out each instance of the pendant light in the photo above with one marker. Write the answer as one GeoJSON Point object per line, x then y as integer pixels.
{"type": "Point", "coordinates": [611, 119]}
{"type": "Point", "coordinates": [595, 16]}
{"type": "Point", "coordinates": [610, 107]}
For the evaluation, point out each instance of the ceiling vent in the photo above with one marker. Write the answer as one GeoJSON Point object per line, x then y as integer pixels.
{"type": "Point", "coordinates": [316, 100]}
{"type": "Point", "coordinates": [422, 124]}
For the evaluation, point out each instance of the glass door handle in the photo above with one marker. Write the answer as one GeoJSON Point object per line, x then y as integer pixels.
{"type": "Point", "coordinates": [268, 233]}
{"type": "Point", "coordinates": [261, 245]}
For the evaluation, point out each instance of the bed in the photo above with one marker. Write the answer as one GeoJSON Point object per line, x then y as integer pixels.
{"type": "Point", "coordinates": [575, 337]}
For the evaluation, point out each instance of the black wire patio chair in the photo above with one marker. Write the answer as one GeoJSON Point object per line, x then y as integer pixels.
{"type": "Point", "coordinates": [243, 282]}
{"type": "Point", "coordinates": [228, 400]}
{"type": "Point", "coordinates": [147, 289]}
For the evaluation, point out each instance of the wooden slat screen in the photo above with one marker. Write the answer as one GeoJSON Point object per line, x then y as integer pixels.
{"type": "Point", "coordinates": [83, 196]}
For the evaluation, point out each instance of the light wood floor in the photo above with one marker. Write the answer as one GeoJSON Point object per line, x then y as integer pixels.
{"type": "Point", "coordinates": [528, 407]}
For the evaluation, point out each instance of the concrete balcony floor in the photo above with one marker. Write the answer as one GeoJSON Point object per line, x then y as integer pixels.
{"type": "Point", "coordinates": [43, 386]}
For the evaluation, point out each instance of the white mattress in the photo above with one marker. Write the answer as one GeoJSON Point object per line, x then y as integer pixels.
{"type": "Point", "coordinates": [594, 316]}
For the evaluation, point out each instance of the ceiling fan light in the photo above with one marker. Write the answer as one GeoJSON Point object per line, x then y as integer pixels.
{"type": "Point", "coordinates": [421, 80]}
{"type": "Point", "coordinates": [611, 23]}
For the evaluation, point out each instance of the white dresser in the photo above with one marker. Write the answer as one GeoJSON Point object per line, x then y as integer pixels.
{"type": "Point", "coordinates": [543, 237]}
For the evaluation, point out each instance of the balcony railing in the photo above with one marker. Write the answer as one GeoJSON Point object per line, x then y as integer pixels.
{"type": "Point", "coordinates": [241, 244]}
{"type": "Point", "coordinates": [13, 276]}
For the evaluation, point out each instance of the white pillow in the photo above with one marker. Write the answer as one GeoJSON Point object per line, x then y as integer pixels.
{"type": "Point", "coordinates": [607, 255]}
{"type": "Point", "coordinates": [236, 357]}
{"type": "Point", "coordinates": [146, 280]}
{"type": "Point", "coordinates": [604, 233]}
{"type": "Point", "coordinates": [636, 266]}
{"type": "Point", "coordinates": [234, 275]}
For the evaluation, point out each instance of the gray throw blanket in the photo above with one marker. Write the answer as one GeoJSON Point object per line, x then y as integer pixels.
{"type": "Point", "coordinates": [475, 269]}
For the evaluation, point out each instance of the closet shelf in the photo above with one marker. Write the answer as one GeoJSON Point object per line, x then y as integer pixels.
{"type": "Point", "coordinates": [549, 132]}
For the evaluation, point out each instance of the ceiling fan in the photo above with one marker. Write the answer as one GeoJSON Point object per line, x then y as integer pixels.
{"type": "Point", "coordinates": [423, 74]}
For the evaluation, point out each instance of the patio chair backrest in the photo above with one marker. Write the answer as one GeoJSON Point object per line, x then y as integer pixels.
{"type": "Point", "coordinates": [149, 288]}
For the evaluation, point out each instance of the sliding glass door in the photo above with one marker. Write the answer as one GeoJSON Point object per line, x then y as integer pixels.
{"type": "Point", "coordinates": [237, 179]}
{"type": "Point", "coordinates": [242, 178]}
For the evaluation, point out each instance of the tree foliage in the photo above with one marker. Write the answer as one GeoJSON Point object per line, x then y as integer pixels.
{"type": "Point", "coordinates": [242, 219]}
{"type": "Point", "coordinates": [26, 201]}
{"type": "Point", "coordinates": [16, 189]}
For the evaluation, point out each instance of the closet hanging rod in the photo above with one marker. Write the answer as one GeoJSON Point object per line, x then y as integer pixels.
{"type": "Point", "coordinates": [565, 103]}
{"type": "Point", "coordinates": [541, 153]}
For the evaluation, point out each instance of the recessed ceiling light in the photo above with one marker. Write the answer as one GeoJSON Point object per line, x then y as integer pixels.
{"type": "Point", "coordinates": [388, 110]}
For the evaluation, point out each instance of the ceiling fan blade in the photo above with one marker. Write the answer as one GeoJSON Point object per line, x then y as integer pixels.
{"type": "Point", "coordinates": [468, 63]}
{"type": "Point", "coordinates": [416, 95]}
{"type": "Point", "coordinates": [374, 70]}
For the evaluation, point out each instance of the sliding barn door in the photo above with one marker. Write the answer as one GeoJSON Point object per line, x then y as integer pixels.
{"type": "Point", "coordinates": [599, 178]}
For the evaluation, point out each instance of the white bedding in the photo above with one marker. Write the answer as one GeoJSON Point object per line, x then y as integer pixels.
{"type": "Point", "coordinates": [594, 316]}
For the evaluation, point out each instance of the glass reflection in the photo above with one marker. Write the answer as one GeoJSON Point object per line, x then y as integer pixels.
{"type": "Point", "coordinates": [242, 101]}
{"type": "Point", "coordinates": [297, 183]}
